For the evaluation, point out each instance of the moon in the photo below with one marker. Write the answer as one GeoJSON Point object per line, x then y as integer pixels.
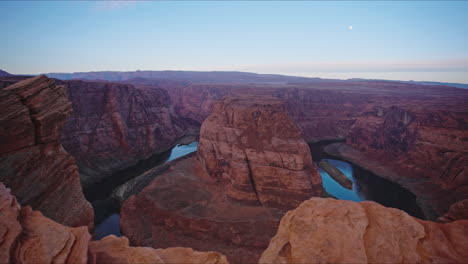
{"type": "Point", "coordinates": [350, 27]}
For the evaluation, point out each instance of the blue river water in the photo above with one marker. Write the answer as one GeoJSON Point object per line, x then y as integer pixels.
{"type": "Point", "coordinates": [334, 188]}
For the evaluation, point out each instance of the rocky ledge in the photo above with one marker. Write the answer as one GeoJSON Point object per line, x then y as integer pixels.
{"type": "Point", "coordinates": [333, 231]}
{"type": "Point", "coordinates": [26, 236]}
{"type": "Point", "coordinates": [251, 165]}
{"type": "Point", "coordinates": [32, 161]}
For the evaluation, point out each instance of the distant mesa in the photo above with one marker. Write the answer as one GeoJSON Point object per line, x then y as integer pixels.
{"type": "Point", "coordinates": [4, 73]}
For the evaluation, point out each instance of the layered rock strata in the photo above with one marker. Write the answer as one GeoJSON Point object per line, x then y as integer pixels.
{"type": "Point", "coordinates": [26, 236]}
{"type": "Point", "coordinates": [113, 126]}
{"type": "Point", "coordinates": [252, 147]}
{"type": "Point", "coordinates": [251, 165]}
{"type": "Point", "coordinates": [32, 161]}
{"type": "Point", "coordinates": [333, 231]}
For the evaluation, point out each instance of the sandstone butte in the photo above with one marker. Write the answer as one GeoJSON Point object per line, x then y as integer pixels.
{"type": "Point", "coordinates": [252, 165]}
{"type": "Point", "coordinates": [32, 161]}
{"type": "Point", "coordinates": [335, 231]}
{"type": "Point", "coordinates": [26, 236]}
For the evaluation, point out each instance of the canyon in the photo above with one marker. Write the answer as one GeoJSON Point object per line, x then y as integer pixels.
{"type": "Point", "coordinates": [415, 135]}
{"type": "Point", "coordinates": [253, 164]}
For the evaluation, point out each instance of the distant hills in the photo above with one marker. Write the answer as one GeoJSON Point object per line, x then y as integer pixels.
{"type": "Point", "coordinates": [211, 77]}
{"type": "Point", "coordinates": [191, 76]}
{"type": "Point", "coordinates": [459, 85]}
{"type": "Point", "coordinates": [4, 73]}
{"type": "Point", "coordinates": [216, 77]}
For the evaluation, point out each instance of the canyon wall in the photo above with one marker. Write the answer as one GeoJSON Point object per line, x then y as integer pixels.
{"type": "Point", "coordinates": [32, 161]}
{"type": "Point", "coordinates": [334, 231]}
{"type": "Point", "coordinates": [29, 237]}
{"type": "Point", "coordinates": [113, 126]}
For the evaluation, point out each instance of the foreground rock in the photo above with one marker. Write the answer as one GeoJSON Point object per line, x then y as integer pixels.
{"type": "Point", "coordinates": [26, 236]}
{"type": "Point", "coordinates": [32, 161]}
{"type": "Point", "coordinates": [251, 165]}
{"type": "Point", "coordinates": [334, 231]}
{"type": "Point", "coordinates": [336, 174]}
{"type": "Point", "coordinates": [252, 147]}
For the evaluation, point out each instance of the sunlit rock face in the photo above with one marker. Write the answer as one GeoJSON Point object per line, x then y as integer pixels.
{"type": "Point", "coordinates": [28, 236]}
{"type": "Point", "coordinates": [113, 126]}
{"type": "Point", "coordinates": [335, 231]}
{"type": "Point", "coordinates": [251, 146]}
{"type": "Point", "coordinates": [32, 161]}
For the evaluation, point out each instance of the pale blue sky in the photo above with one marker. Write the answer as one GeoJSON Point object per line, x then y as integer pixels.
{"type": "Point", "coordinates": [392, 40]}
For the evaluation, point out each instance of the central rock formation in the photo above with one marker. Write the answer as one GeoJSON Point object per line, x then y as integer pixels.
{"type": "Point", "coordinates": [252, 164]}
{"type": "Point", "coordinates": [32, 161]}
{"type": "Point", "coordinates": [333, 231]}
{"type": "Point", "coordinates": [251, 146]}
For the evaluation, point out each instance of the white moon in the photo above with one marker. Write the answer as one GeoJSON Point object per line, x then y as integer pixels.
{"type": "Point", "coordinates": [350, 27]}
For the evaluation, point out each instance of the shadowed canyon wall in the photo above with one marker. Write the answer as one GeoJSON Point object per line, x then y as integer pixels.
{"type": "Point", "coordinates": [113, 126]}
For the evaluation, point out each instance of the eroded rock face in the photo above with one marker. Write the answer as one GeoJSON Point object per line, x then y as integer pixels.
{"type": "Point", "coordinates": [29, 237]}
{"type": "Point", "coordinates": [457, 211]}
{"type": "Point", "coordinates": [333, 231]}
{"type": "Point", "coordinates": [32, 161]}
{"type": "Point", "coordinates": [113, 126]}
{"type": "Point", "coordinates": [112, 249]}
{"type": "Point", "coordinates": [427, 150]}
{"type": "Point", "coordinates": [26, 236]}
{"type": "Point", "coordinates": [252, 147]}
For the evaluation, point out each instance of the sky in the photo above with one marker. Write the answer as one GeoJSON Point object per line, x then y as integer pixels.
{"type": "Point", "coordinates": [401, 40]}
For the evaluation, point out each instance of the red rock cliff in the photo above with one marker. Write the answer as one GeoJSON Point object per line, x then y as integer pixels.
{"type": "Point", "coordinates": [32, 160]}
{"type": "Point", "coordinates": [113, 126]}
